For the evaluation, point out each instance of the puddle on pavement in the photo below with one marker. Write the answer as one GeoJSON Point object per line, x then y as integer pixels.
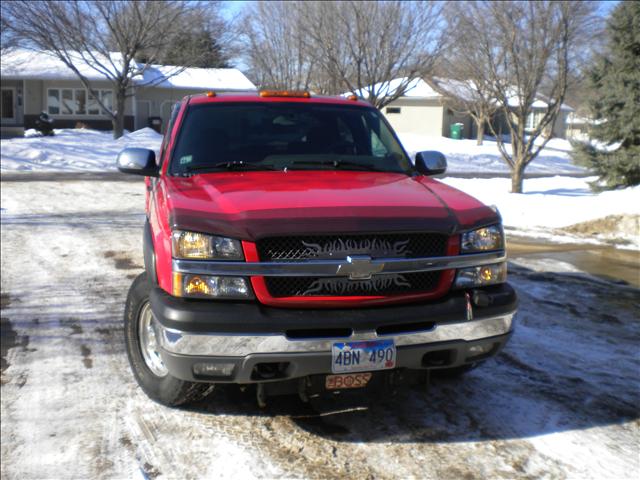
{"type": "Point", "coordinates": [602, 261]}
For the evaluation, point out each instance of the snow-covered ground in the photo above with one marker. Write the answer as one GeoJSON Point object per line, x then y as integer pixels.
{"type": "Point", "coordinates": [464, 156]}
{"type": "Point", "coordinates": [71, 150]}
{"type": "Point", "coordinates": [561, 401]}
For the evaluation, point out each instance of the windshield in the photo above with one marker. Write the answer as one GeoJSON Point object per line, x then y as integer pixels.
{"type": "Point", "coordinates": [278, 136]}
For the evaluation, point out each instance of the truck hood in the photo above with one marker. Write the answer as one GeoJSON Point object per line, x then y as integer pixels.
{"type": "Point", "coordinates": [252, 205]}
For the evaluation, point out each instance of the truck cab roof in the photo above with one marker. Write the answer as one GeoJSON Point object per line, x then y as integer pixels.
{"type": "Point", "coordinates": [267, 96]}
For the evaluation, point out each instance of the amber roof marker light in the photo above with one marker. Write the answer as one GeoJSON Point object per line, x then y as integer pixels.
{"type": "Point", "coordinates": [353, 98]}
{"type": "Point", "coordinates": [210, 94]}
{"type": "Point", "coordinates": [285, 93]}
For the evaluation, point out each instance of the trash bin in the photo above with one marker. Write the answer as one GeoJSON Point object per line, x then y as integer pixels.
{"type": "Point", "coordinates": [456, 130]}
{"type": "Point", "coordinates": [155, 123]}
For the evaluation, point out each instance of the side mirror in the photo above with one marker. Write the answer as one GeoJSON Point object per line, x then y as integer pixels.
{"type": "Point", "coordinates": [138, 161]}
{"type": "Point", "coordinates": [431, 163]}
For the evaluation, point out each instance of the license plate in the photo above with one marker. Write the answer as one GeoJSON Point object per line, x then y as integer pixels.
{"type": "Point", "coordinates": [363, 356]}
{"type": "Point", "coordinates": [347, 380]}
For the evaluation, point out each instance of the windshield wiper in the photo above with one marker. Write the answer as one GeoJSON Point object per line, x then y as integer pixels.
{"type": "Point", "coordinates": [240, 165]}
{"type": "Point", "coordinates": [348, 163]}
{"type": "Point", "coordinates": [235, 165]}
{"type": "Point", "coordinates": [331, 163]}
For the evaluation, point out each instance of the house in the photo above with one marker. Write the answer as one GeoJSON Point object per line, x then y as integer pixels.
{"type": "Point", "coordinates": [579, 127]}
{"type": "Point", "coordinates": [539, 108]}
{"type": "Point", "coordinates": [35, 82]}
{"type": "Point", "coordinates": [423, 110]}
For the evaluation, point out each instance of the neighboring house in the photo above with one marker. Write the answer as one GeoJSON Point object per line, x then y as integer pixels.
{"type": "Point", "coordinates": [539, 107]}
{"type": "Point", "coordinates": [425, 111]}
{"type": "Point", "coordinates": [578, 127]}
{"type": "Point", "coordinates": [35, 82]}
{"type": "Point", "coordinates": [421, 110]}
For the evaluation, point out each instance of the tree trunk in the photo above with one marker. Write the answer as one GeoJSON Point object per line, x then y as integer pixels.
{"type": "Point", "coordinates": [118, 120]}
{"type": "Point", "coordinates": [479, 131]}
{"type": "Point", "coordinates": [517, 178]}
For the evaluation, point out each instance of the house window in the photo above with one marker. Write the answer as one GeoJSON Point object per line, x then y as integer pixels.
{"type": "Point", "coordinates": [68, 101]}
{"type": "Point", "coordinates": [393, 110]}
{"type": "Point", "coordinates": [81, 102]}
{"type": "Point", "coordinates": [107, 100]}
{"type": "Point", "coordinates": [533, 120]}
{"type": "Point", "coordinates": [53, 101]}
{"type": "Point", "coordinates": [7, 104]}
{"type": "Point", "coordinates": [92, 106]}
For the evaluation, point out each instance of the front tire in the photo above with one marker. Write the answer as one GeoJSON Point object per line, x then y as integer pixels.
{"type": "Point", "coordinates": [143, 353]}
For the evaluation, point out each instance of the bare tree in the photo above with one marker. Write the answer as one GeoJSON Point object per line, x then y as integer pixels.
{"type": "Point", "coordinates": [365, 45]}
{"type": "Point", "coordinates": [526, 51]}
{"type": "Point", "coordinates": [102, 37]}
{"type": "Point", "coordinates": [334, 47]}
{"type": "Point", "coordinates": [277, 54]}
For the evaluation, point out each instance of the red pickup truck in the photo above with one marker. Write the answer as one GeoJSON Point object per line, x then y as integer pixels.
{"type": "Point", "coordinates": [291, 243]}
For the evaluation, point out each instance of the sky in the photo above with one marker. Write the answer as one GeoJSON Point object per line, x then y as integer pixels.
{"type": "Point", "coordinates": [232, 8]}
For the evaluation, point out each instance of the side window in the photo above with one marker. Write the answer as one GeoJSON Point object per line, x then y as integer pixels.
{"type": "Point", "coordinates": [167, 134]}
{"type": "Point", "coordinates": [377, 147]}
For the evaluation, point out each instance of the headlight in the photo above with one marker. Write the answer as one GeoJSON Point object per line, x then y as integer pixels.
{"type": "Point", "coordinates": [481, 276]}
{"type": "Point", "coordinates": [483, 239]}
{"type": "Point", "coordinates": [200, 246]}
{"type": "Point", "coordinates": [209, 286]}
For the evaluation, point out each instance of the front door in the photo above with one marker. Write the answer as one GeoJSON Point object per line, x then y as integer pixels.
{"type": "Point", "coordinates": [8, 105]}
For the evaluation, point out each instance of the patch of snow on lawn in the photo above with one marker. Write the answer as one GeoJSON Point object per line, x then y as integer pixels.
{"type": "Point", "coordinates": [466, 156]}
{"type": "Point", "coordinates": [72, 150]}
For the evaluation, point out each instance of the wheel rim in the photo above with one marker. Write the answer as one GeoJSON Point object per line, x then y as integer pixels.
{"type": "Point", "coordinates": [149, 342]}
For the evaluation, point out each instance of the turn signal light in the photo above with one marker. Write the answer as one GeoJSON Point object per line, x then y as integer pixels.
{"type": "Point", "coordinates": [285, 93]}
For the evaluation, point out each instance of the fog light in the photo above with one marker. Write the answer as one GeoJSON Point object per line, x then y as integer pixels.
{"type": "Point", "coordinates": [213, 369]}
{"type": "Point", "coordinates": [199, 286]}
{"type": "Point", "coordinates": [476, 350]}
{"type": "Point", "coordinates": [481, 276]}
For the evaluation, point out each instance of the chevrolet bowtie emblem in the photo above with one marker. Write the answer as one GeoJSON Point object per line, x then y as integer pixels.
{"type": "Point", "coordinates": [359, 267]}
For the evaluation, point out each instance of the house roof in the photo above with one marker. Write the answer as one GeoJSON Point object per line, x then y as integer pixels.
{"type": "Point", "coordinates": [540, 102]}
{"type": "Point", "coordinates": [204, 78]}
{"type": "Point", "coordinates": [29, 64]}
{"type": "Point", "coordinates": [463, 89]}
{"type": "Point", "coordinates": [419, 88]}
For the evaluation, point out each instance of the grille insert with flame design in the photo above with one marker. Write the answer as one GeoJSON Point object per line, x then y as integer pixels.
{"type": "Point", "coordinates": [317, 247]}
{"type": "Point", "coordinates": [342, 286]}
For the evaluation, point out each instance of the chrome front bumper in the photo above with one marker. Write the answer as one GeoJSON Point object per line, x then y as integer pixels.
{"type": "Point", "coordinates": [240, 345]}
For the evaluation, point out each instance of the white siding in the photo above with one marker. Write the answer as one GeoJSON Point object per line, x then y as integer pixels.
{"type": "Point", "coordinates": [421, 116]}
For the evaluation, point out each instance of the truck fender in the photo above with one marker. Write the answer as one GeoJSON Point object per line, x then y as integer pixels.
{"type": "Point", "coordinates": [149, 254]}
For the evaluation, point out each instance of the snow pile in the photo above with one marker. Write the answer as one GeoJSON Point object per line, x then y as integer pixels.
{"type": "Point", "coordinates": [466, 156]}
{"type": "Point", "coordinates": [72, 150]}
{"type": "Point", "coordinates": [548, 204]}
